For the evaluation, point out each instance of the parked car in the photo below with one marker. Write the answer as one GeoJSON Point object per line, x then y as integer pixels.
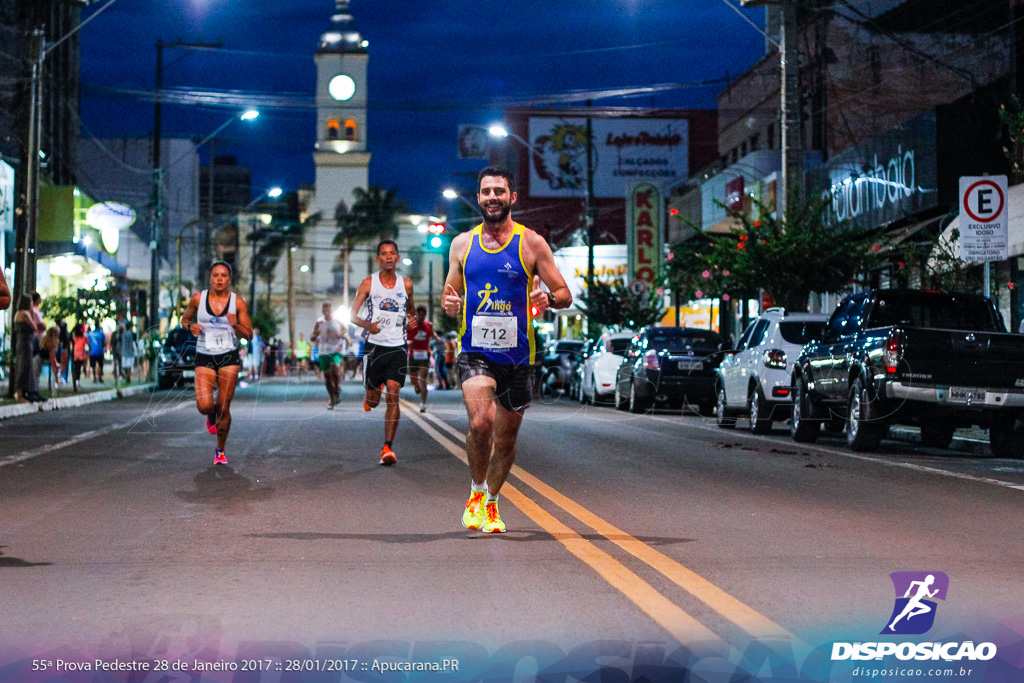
{"type": "Point", "coordinates": [559, 363]}
{"type": "Point", "coordinates": [576, 383]}
{"type": "Point", "coordinates": [176, 361]}
{"type": "Point", "coordinates": [754, 378]}
{"type": "Point", "coordinates": [938, 360]}
{"type": "Point", "coordinates": [669, 365]}
{"type": "Point", "coordinates": [598, 370]}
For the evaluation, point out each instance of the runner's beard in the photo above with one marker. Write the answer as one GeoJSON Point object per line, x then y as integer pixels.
{"type": "Point", "coordinates": [506, 209]}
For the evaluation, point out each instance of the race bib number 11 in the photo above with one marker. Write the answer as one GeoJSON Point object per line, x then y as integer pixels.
{"type": "Point", "coordinates": [495, 332]}
{"type": "Point", "coordinates": [219, 338]}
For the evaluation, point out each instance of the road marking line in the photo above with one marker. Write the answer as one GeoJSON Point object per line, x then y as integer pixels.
{"type": "Point", "coordinates": [740, 614]}
{"type": "Point", "coordinates": [84, 436]}
{"type": "Point", "coordinates": [854, 456]}
{"type": "Point", "coordinates": [681, 625]}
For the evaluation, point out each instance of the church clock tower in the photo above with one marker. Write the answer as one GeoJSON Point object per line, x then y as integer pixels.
{"type": "Point", "coordinates": [341, 156]}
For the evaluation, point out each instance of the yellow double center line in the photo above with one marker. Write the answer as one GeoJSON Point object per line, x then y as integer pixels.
{"type": "Point", "coordinates": [683, 627]}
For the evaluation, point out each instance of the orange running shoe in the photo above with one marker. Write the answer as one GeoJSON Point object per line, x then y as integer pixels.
{"type": "Point", "coordinates": [387, 456]}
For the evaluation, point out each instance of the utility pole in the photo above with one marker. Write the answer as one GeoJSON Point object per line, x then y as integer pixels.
{"type": "Point", "coordinates": [204, 246]}
{"type": "Point", "coordinates": [590, 204]}
{"type": "Point", "coordinates": [252, 268]}
{"type": "Point", "coordinates": [157, 213]}
{"type": "Point", "coordinates": [430, 290]}
{"type": "Point", "coordinates": [28, 227]}
{"type": "Point", "coordinates": [153, 319]}
{"type": "Point", "coordinates": [792, 190]}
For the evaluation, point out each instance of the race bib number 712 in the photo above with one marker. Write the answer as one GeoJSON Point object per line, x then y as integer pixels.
{"type": "Point", "coordinates": [495, 332]}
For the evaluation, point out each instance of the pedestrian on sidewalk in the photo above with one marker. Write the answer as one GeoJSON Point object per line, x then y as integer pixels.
{"type": "Point", "coordinates": [127, 351]}
{"type": "Point", "coordinates": [257, 351]}
{"type": "Point", "coordinates": [65, 348]}
{"type": "Point", "coordinates": [115, 349]}
{"type": "Point", "coordinates": [97, 351]}
{"type": "Point", "coordinates": [26, 387]}
{"type": "Point", "coordinates": [49, 353]}
{"type": "Point", "coordinates": [5, 293]}
{"type": "Point", "coordinates": [37, 317]}
{"type": "Point", "coordinates": [79, 355]}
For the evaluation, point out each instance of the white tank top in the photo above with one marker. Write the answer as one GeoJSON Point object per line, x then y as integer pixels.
{"type": "Point", "coordinates": [217, 335]}
{"type": "Point", "coordinates": [330, 339]}
{"type": "Point", "coordinates": [386, 307]}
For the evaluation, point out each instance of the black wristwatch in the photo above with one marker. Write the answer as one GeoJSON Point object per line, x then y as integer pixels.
{"type": "Point", "coordinates": [551, 299]}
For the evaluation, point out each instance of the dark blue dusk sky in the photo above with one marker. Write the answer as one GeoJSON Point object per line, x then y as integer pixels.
{"type": "Point", "coordinates": [433, 65]}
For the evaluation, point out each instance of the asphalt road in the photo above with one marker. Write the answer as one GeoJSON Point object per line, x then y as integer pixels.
{"type": "Point", "coordinates": [630, 538]}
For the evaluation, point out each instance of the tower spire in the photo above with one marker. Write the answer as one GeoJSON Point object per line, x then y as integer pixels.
{"type": "Point", "coordinates": [342, 36]}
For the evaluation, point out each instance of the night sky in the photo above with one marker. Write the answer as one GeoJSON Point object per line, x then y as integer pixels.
{"type": "Point", "coordinates": [433, 65]}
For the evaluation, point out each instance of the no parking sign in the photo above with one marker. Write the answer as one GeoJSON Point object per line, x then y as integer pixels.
{"type": "Point", "coordinates": [984, 217]}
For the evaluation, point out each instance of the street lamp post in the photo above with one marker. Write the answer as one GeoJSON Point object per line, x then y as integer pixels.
{"type": "Point", "coordinates": [273, 193]}
{"type": "Point", "coordinates": [157, 213]}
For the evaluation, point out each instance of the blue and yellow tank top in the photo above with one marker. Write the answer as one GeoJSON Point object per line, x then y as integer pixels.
{"type": "Point", "coordinates": [496, 320]}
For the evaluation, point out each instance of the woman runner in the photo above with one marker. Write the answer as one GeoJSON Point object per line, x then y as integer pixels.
{"type": "Point", "coordinates": [220, 316]}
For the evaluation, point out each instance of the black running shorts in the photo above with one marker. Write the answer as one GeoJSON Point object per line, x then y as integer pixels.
{"type": "Point", "coordinates": [383, 364]}
{"type": "Point", "coordinates": [217, 361]}
{"type": "Point", "coordinates": [514, 382]}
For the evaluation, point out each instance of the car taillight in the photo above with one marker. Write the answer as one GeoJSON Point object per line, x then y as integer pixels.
{"type": "Point", "coordinates": [651, 361]}
{"type": "Point", "coordinates": [775, 358]}
{"type": "Point", "coordinates": [891, 357]}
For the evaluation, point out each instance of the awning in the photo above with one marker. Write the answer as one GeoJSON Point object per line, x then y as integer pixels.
{"type": "Point", "coordinates": [100, 256]}
{"type": "Point", "coordinates": [894, 237]}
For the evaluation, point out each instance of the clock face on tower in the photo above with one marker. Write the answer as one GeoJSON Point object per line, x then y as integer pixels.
{"type": "Point", "coordinates": [342, 87]}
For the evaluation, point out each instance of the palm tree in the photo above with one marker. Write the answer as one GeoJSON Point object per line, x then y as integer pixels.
{"type": "Point", "coordinates": [373, 216]}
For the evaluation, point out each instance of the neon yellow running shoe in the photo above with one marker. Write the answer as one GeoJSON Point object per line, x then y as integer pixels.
{"type": "Point", "coordinates": [493, 525]}
{"type": "Point", "coordinates": [473, 516]}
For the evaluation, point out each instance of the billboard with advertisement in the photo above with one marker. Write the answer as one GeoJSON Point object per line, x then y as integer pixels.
{"type": "Point", "coordinates": [624, 150]}
{"type": "Point", "coordinates": [889, 177]}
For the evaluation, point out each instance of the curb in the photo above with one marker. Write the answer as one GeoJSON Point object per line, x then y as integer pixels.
{"type": "Point", "coordinates": [960, 444]}
{"type": "Point", "coordinates": [20, 409]}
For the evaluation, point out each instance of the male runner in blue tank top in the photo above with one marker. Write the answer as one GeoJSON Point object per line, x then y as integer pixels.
{"type": "Point", "coordinates": [499, 267]}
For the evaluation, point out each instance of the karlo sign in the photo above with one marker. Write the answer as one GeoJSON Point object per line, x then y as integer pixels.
{"type": "Point", "coordinates": [644, 230]}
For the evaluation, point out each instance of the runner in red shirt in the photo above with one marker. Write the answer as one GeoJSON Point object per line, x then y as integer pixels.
{"type": "Point", "coordinates": [419, 354]}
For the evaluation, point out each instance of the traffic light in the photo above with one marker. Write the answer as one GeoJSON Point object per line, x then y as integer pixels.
{"type": "Point", "coordinates": [435, 228]}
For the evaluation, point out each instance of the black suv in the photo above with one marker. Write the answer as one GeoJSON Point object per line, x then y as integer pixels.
{"type": "Point", "coordinates": [674, 365]}
{"type": "Point", "coordinates": [177, 358]}
{"type": "Point", "coordinates": [559, 364]}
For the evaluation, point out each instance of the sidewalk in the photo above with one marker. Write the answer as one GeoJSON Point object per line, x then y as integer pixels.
{"type": "Point", "coordinates": [64, 398]}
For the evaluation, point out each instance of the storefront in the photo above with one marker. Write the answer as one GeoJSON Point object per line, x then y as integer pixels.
{"type": "Point", "coordinates": [609, 267]}
{"type": "Point", "coordinates": [78, 242]}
